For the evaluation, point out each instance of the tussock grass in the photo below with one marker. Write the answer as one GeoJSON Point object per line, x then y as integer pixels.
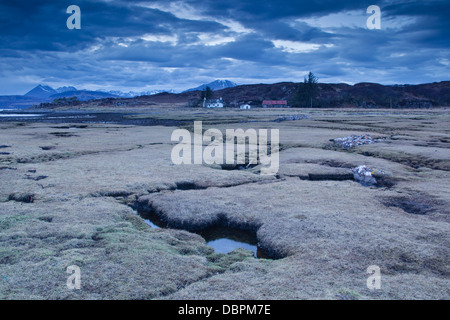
{"type": "Point", "coordinates": [326, 232]}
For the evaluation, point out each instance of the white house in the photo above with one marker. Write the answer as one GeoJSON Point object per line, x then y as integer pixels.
{"type": "Point", "coordinates": [245, 106]}
{"type": "Point", "coordinates": [213, 103]}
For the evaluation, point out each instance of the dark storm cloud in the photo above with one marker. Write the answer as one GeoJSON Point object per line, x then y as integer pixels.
{"type": "Point", "coordinates": [431, 25]}
{"type": "Point", "coordinates": [275, 10]}
{"type": "Point", "coordinates": [282, 31]}
{"type": "Point", "coordinates": [41, 25]}
{"type": "Point", "coordinates": [180, 44]}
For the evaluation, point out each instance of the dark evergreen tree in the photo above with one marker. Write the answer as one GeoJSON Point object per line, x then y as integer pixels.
{"type": "Point", "coordinates": [306, 92]}
{"type": "Point", "coordinates": [207, 93]}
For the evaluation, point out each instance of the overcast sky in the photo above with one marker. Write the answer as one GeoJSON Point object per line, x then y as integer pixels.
{"type": "Point", "coordinates": [145, 45]}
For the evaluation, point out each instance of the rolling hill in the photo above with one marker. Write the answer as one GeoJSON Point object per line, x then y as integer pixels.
{"type": "Point", "coordinates": [361, 95]}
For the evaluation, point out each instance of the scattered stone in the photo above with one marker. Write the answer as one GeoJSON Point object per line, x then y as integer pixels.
{"type": "Point", "coordinates": [292, 118]}
{"type": "Point", "coordinates": [364, 175]}
{"type": "Point", "coordinates": [354, 140]}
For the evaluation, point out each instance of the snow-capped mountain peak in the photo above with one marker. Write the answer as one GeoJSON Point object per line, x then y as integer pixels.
{"type": "Point", "coordinates": [41, 91]}
{"type": "Point", "coordinates": [66, 89]}
{"type": "Point", "coordinates": [215, 85]}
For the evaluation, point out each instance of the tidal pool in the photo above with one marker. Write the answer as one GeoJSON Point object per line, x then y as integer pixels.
{"type": "Point", "coordinates": [222, 239]}
{"type": "Point", "coordinates": [18, 115]}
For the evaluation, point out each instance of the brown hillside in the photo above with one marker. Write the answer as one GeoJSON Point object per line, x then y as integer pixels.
{"type": "Point", "coordinates": [366, 95]}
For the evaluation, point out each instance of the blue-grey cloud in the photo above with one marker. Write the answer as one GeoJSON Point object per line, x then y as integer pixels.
{"type": "Point", "coordinates": [182, 43]}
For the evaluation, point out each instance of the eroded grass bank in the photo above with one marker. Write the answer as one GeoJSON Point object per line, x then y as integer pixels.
{"type": "Point", "coordinates": [326, 231]}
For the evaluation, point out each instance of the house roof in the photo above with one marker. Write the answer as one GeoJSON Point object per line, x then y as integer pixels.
{"type": "Point", "coordinates": [267, 102]}
{"type": "Point", "coordinates": [214, 100]}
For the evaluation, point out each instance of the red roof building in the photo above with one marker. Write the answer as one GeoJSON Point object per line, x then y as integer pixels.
{"type": "Point", "coordinates": [274, 103]}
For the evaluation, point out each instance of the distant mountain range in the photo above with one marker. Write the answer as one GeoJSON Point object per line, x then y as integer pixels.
{"type": "Point", "coordinates": [368, 95]}
{"type": "Point", "coordinates": [44, 93]}
{"type": "Point", "coordinates": [132, 94]}
{"type": "Point", "coordinates": [215, 85]}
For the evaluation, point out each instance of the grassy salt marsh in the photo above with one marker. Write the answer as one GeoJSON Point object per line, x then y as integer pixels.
{"type": "Point", "coordinates": [68, 193]}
